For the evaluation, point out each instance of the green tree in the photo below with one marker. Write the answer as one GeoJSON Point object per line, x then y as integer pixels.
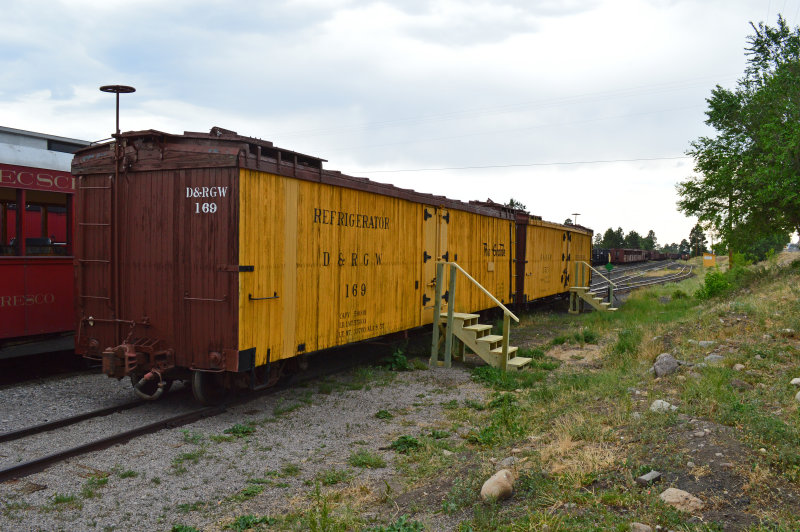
{"type": "Point", "coordinates": [612, 239]}
{"type": "Point", "coordinates": [650, 242]}
{"type": "Point", "coordinates": [697, 240]}
{"type": "Point", "coordinates": [514, 204]}
{"type": "Point", "coordinates": [684, 247]}
{"type": "Point", "coordinates": [633, 240]}
{"type": "Point", "coordinates": [748, 183]}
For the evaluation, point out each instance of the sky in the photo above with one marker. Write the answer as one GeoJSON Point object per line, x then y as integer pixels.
{"type": "Point", "coordinates": [571, 106]}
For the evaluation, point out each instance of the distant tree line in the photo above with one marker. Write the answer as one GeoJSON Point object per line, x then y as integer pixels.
{"type": "Point", "coordinates": [694, 245]}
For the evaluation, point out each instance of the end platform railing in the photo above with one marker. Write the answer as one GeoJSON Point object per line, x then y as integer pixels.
{"type": "Point", "coordinates": [451, 304]}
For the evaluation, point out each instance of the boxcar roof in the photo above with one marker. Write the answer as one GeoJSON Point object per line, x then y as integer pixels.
{"type": "Point", "coordinates": [219, 148]}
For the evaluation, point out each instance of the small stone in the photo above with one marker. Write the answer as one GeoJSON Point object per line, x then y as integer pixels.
{"type": "Point", "coordinates": [699, 434]}
{"type": "Point", "coordinates": [718, 455]}
{"type": "Point", "coordinates": [767, 337]}
{"type": "Point", "coordinates": [665, 364]}
{"type": "Point", "coordinates": [659, 405]}
{"type": "Point", "coordinates": [690, 464]}
{"type": "Point", "coordinates": [738, 367]}
{"type": "Point", "coordinates": [797, 397]}
{"type": "Point", "coordinates": [509, 462]}
{"type": "Point", "coordinates": [636, 415]}
{"type": "Point", "coordinates": [639, 527]}
{"type": "Point", "coordinates": [682, 500]}
{"type": "Point", "coordinates": [448, 453]}
{"type": "Point", "coordinates": [787, 332]}
{"type": "Point", "coordinates": [714, 358]}
{"type": "Point", "coordinates": [705, 343]}
{"type": "Point", "coordinates": [499, 486]}
{"type": "Point", "coordinates": [740, 385]}
{"type": "Point", "coordinates": [726, 465]}
{"type": "Point", "coordinates": [795, 381]}
{"type": "Point", "coordinates": [762, 451]}
{"type": "Point", "coordinates": [759, 357]}
{"type": "Point", "coordinates": [648, 478]}
{"type": "Point", "coordinates": [516, 450]}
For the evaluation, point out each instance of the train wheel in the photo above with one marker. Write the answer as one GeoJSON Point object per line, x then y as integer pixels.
{"type": "Point", "coordinates": [208, 388]}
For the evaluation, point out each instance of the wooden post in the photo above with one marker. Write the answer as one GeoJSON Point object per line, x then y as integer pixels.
{"type": "Point", "coordinates": [437, 309]}
{"type": "Point", "coordinates": [506, 327]}
{"type": "Point", "coordinates": [451, 304]}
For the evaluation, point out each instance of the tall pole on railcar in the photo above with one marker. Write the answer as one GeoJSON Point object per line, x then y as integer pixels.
{"type": "Point", "coordinates": [116, 89]}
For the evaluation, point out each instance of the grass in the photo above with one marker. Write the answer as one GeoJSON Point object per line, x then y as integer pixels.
{"type": "Point", "coordinates": [581, 434]}
{"type": "Point", "coordinates": [365, 459]}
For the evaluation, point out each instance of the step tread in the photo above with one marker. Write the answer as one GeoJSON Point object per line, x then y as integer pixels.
{"type": "Point", "coordinates": [579, 288]}
{"type": "Point", "coordinates": [518, 362]}
{"type": "Point", "coordinates": [490, 338]}
{"type": "Point", "coordinates": [499, 350]}
{"type": "Point", "coordinates": [460, 316]}
{"type": "Point", "coordinates": [477, 328]}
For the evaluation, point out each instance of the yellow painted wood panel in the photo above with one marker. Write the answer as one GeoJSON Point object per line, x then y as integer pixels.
{"type": "Point", "coordinates": [550, 257]}
{"type": "Point", "coordinates": [346, 264]}
{"type": "Point", "coordinates": [483, 246]}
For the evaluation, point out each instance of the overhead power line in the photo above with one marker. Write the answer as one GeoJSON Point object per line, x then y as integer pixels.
{"type": "Point", "coordinates": [561, 163]}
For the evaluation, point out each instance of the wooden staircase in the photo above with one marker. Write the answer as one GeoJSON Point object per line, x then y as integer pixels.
{"type": "Point", "coordinates": [466, 330]}
{"type": "Point", "coordinates": [577, 294]}
{"type": "Point", "coordinates": [478, 338]}
{"type": "Point", "coordinates": [580, 294]}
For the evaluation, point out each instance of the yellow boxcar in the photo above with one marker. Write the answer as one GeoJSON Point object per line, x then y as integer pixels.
{"type": "Point", "coordinates": [214, 256]}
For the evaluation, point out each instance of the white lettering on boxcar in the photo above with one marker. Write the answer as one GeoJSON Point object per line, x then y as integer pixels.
{"type": "Point", "coordinates": [206, 192]}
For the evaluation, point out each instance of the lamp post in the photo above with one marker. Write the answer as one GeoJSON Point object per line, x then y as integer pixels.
{"type": "Point", "coordinates": [575, 218]}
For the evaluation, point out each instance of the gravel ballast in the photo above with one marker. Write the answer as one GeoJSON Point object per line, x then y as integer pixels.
{"type": "Point", "coordinates": [201, 476]}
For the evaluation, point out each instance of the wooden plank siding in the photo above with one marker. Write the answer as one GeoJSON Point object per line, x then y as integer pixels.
{"type": "Point", "coordinates": [337, 281]}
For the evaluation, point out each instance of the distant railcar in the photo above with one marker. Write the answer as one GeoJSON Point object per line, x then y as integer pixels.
{"type": "Point", "coordinates": [222, 259]}
{"type": "Point", "coordinates": [36, 236]}
{"type": "Point", "coordinates": [600, 256]}
{"type": "Point", "coordinates": [627, 256]}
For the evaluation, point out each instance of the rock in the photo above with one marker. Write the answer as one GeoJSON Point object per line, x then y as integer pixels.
{"type": "Point", "coordinates": [795, 381]}
{"type": "Point", "coordinates": [738, 367]}
{"type": "Point", "coordinates": [648, 478]}
{"type": "Point", "coordinates": [705, 343]}
{"type": "Point", "coordinates": [509, 462]}
{"type": "Point", "coordinates": [636, 415]}
{"type": "Point", "coordinates": [447, 453]}
{"type": "Point", "coordinates": [639, 527]}
{"type": "Point", "coordinates": [690, 464]}
{"type": "Point", "coordinates": [762, 451]}
{"type": "Point", "coordinates": [659, 405]}
{"type": "Point", "coordinates": [741, 385]}
{"type": "Point", "coordinates": [665, 364]}
{"type": "Point", "coordinates": [699, 434]}
{"type": "Point", "coordinates": [681, 500]}
{"type": "Point", "coordinates": [797, 397]}
{"type": "Point", "coordinates": [787, 333]}
{"type": "Point", "coordinates": [714, 358]}
{"type": "Point", "coordinates": [767, 337]}
{"type": "Point", "coordinates": [759, 357]}
{"type": "Point", "coordinates": [499, 486]}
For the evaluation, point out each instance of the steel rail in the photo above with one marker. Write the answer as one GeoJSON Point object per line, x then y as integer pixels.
{"type": "Point", "coordinates": [67, 421]}
{"type": "Point", "coordinates": [38, 464]}
{"type": "Point", "coordinates": [685, 273]}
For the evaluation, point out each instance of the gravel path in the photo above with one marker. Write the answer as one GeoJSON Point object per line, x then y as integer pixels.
{"type": "Point", "coordinates": [203, 477]}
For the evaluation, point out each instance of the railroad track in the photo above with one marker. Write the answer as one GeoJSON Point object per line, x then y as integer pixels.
{"type": "Point", "coordinates": [35, 465]}
{"type": "Point", "coordinates": [39, 463]}
{"type": "Point", "coordinates": [632, 279]}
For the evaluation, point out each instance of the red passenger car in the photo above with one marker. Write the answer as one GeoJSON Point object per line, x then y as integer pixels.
{"type": "Point", "coordinates": [36, 233]}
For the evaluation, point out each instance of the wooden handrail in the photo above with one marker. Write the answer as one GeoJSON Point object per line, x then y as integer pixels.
{"type": "Point", "coordinates": [494, 299]}
{"type": "Point", "coordinates": [597, 272]}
